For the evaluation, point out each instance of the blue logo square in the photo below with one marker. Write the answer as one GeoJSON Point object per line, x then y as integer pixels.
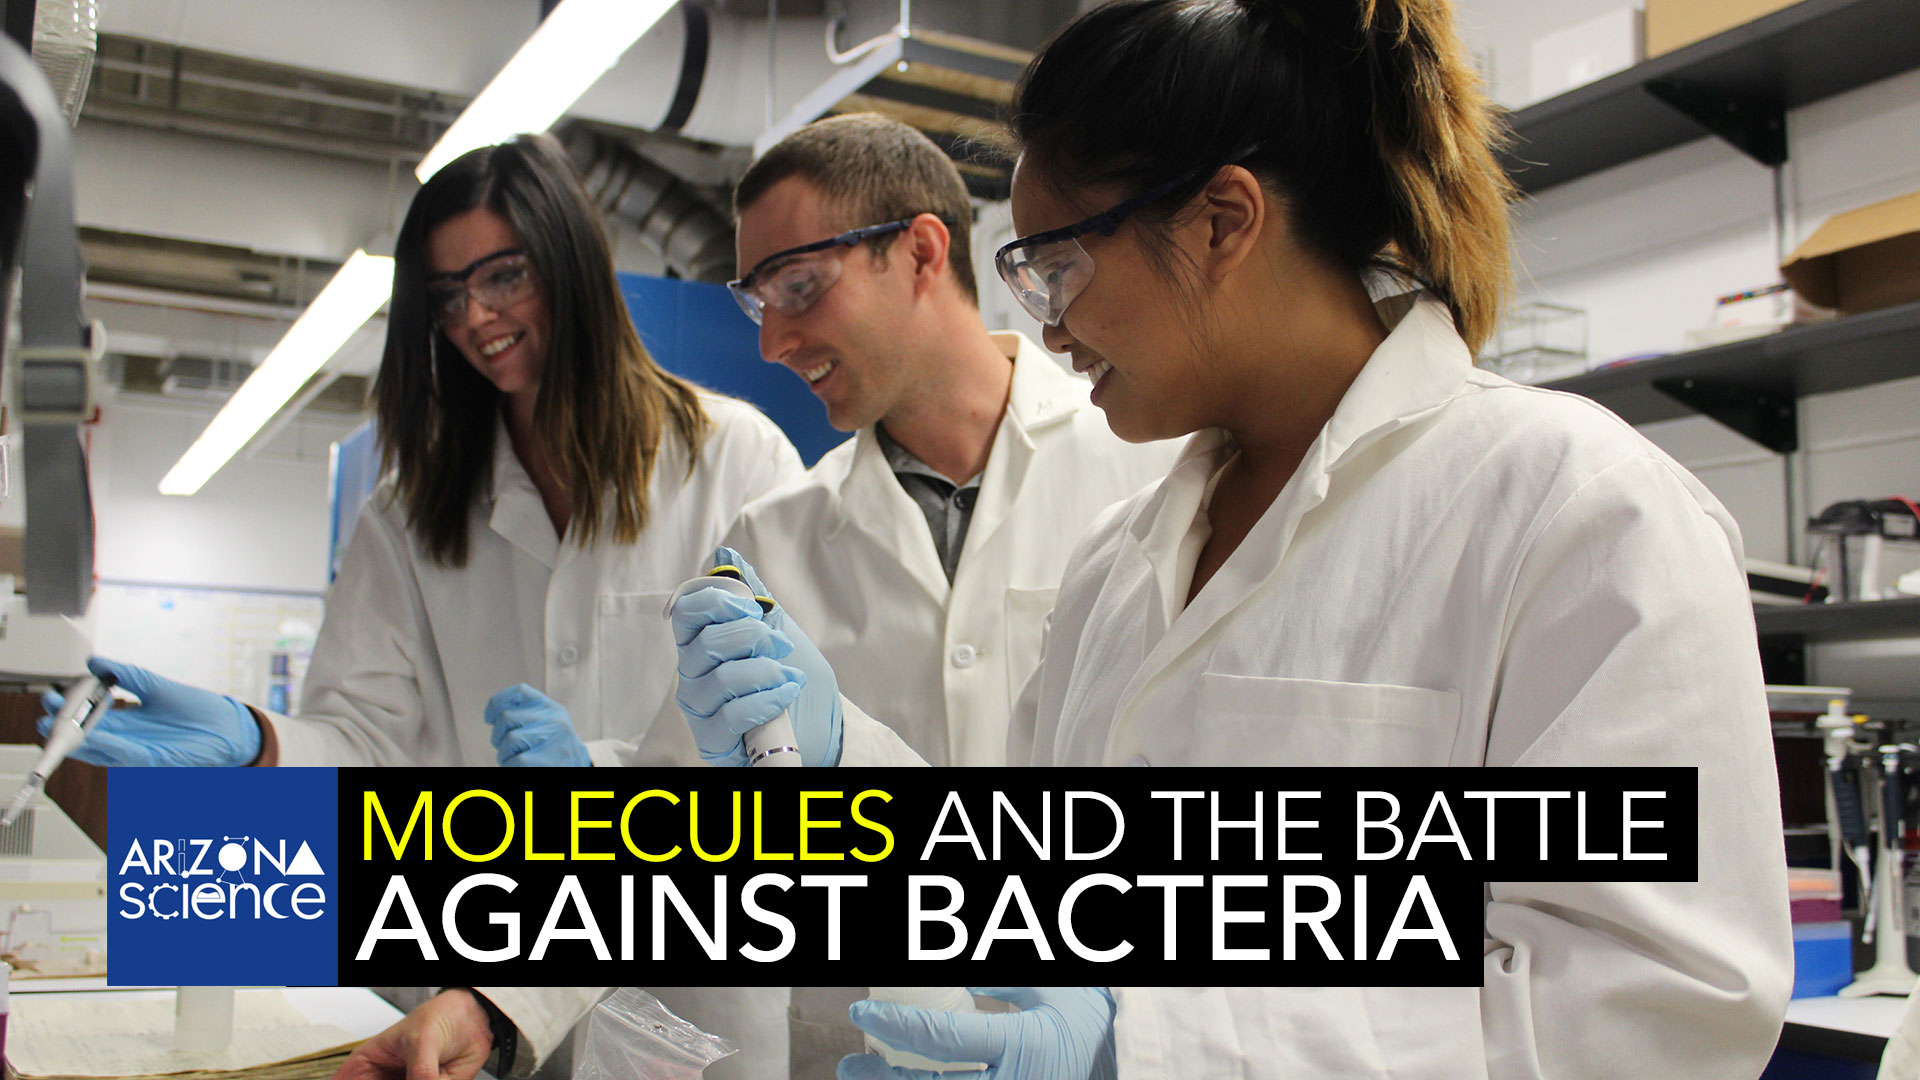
{"type": "Point", "coordinates": [222, 877]}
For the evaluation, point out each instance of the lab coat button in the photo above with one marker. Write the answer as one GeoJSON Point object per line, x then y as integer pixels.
{"type": "Point", "coordinates": [568, 654]}
{"type": "Point", "coordinates": [1137, 761]}
{"type": "Point", "coordinates": [963, 656]}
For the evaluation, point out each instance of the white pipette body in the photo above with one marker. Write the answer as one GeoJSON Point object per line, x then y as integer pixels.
{"type": "Point", "coordinates": [83, 707]}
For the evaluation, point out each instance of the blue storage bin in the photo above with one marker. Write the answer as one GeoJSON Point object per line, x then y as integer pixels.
{"type": "Point", "coordinates": [1822, 958]}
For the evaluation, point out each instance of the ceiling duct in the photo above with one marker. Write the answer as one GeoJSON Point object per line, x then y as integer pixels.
{"type": "Point", "coordinates": [693, 238]}
{"type": "Point", "coordinates": [953, 88]}
{"type": "Point", "coordinates": [65, 37]}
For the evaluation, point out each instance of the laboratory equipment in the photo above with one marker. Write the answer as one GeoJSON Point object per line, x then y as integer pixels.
{"type": "Point", "coordinates": [1873, 522]}
{"type": "Point", "coordinates": [86, 703]}
{"type": "Point", "coordinates": [1539, 342]}
{"type": "Point", "coordinates": [1844, 807]}
{"type": "Point", "coordinates": [939, 998]}
{"type": "Point", "coordinates": [772, 744]}
{"type": "Point", "coordinates": [52, 374]}
{"type": "Point", "coordinates": [1889, 973]}
{"type": "Point", "coordinates": [53, 887]}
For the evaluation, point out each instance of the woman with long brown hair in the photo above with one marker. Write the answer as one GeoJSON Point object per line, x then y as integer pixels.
{"type": "Point", "coordinates": [1280, 226]}
{"type": "Point", "coordinates": [549, 486]}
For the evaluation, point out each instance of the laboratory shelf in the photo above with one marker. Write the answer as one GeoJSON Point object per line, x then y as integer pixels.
{"type": "Point", "coordinates": [1753, 385]}
{"type": "Point", "coordinates": [1737, 85]}
{"type": "Point", "coordinates": [1856, 621]}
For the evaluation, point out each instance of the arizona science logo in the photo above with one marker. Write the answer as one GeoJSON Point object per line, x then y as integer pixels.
{"type": "Point", "coordinates": [222, 877]}
{"type": "Point", "coordinates": [236, 877]}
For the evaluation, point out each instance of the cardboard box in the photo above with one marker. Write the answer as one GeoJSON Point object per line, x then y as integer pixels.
{"type": "Point", "coordinates": [1582, 53]}
{"type": "Point", "coordinates": [1673, 24]}
{"type": "Point", "coordinates": [1861, 260]}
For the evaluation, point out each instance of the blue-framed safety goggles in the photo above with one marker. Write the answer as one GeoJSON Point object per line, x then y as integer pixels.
{"type": "Point", "coordinates": [789, 283]}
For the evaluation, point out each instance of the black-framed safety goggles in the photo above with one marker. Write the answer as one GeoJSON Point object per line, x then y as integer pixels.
{"type": "Point", "coordinates": [1047, 270]}
{"type": "Point", "coordinates": [789, 283]}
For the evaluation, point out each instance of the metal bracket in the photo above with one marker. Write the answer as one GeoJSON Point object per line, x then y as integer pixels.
{"type": "Point", "coordinates": [55, 384]}
{"type": "Point", "coordinates": [1755, 127]}
{"type": "Point", "coordinates": [1771, 420]}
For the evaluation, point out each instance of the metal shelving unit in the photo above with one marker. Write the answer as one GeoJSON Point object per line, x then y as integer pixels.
{"type": "Point", "coordinates": [1754, 386]}
{"type": "Point", "coordinates": [1737, 85]}
{"type": "Point", "coordinates": [1826, 623]}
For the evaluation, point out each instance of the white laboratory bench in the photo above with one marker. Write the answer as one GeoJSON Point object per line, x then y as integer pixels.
{"type": "Point", "coordinates": [1853, 1028]}
{"type": "Point", "coordinates": [354, 1009]}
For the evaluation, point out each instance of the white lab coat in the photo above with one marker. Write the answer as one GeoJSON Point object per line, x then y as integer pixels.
{"type": "Point", "coordinates": [1901, 1059]}
{"type": "Point", "coordinates": [848, 552]}
{"type": "Point", "coordinates": [1463, 571]}
{"type": "Point", "coordinates": [410, 650]}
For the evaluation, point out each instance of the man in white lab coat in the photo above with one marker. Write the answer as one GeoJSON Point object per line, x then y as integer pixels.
{"type": "Point", "coordinates": [924, 553]}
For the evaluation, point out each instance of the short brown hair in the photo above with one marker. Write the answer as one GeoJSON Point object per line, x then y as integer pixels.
{"type": "Point", "coordinates": [873, 169]}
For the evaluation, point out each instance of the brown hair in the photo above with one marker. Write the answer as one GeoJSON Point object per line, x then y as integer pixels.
{"type": "Point", "coordinates": [873, 169]}
{"type": "Point", "coordinates": [603, 402]}
{"type": "Point", "coordinates": [1367, 117]}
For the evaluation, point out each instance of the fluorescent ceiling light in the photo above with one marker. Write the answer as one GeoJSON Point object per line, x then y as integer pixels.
{"type": "Point", "coordinates": [575, 44]}
{"type": "Point", "coordinates": [348, 301]}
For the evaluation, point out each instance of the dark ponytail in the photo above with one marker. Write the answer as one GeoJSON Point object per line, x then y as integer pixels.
{"type": "Point", "coordinates": [1367, 117]}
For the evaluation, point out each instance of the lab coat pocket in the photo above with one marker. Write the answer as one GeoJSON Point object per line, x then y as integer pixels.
{"type": "Point", "coordinates": [636, 657]}
{"type": "Point", "coordinates": [1256, 720]}
{"type": "Point", "coordinates": [1027, 613]}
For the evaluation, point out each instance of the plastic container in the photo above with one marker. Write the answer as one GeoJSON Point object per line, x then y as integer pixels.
{"type": "Point", "coordinates": [941, 998]}
{"type": "Point", "coordinates": [1539, 342]}
{"type": "Point", "coordinates": [1822, 958]}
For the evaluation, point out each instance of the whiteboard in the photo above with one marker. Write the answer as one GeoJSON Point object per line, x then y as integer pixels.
{"type": "Point", "coordinates": [219, 639]}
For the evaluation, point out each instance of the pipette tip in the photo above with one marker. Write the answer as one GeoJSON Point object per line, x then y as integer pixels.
{"type": "Point", "coordinates": [19, 803]}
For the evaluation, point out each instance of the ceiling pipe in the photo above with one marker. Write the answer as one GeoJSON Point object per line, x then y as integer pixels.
{"type": "Point", "coordinates": [691, 236]}
{"type": "Point", "coordinates": [700, 72]}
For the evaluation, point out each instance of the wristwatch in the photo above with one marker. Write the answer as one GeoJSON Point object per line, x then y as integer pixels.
{"type": "Point", "coordinates": [506, 1037]}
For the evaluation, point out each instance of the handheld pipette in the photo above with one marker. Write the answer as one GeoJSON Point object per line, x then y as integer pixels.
{"type": "Point", "coordinates": [85, 704]}
{"type": "Point", "coordinates": [772, 744]}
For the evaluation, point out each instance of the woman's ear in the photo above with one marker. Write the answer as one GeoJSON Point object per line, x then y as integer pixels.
{"type": "Point", "coordinates": [1233, 213]}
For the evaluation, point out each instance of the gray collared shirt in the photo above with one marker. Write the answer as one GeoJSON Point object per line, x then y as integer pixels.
{"type": "Point", "coordinates": [948, 506]}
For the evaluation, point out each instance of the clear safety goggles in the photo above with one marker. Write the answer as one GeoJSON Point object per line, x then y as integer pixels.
{"type": "Point", "coordinates": [498, 281]}
{"type": "Point", "coordinates": [790, 281]}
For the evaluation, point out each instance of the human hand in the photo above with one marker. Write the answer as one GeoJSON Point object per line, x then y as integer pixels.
{"type": "Point", "coordinates": [1060, 1033]}
{"type": "Point", "coordinates": [732, 680]}
{"type": "Point", "coordinates": [446, 1038]}
{"type": "Point", "coordinates": [531, 729]}
{"type": "Point", "coordinates": [174, 724]}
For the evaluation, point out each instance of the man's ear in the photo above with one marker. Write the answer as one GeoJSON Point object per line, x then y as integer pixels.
{"type": "Point", "coordinates": [926, 243]}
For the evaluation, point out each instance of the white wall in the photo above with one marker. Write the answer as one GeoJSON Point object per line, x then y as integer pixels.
{"type": "Point", "coordinates": [260, 524]}
{"type": "Point", "coordinates": [1647, 246]}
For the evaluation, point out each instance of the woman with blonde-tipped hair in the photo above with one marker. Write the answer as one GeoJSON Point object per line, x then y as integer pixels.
{"type": "Point", "coordinates": [1280, 227]}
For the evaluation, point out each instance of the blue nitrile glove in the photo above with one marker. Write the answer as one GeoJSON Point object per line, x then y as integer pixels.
{"type": "Point", "coordinates": [731, 678]}
{"type": "Point", "coordinates": [174, 724]}
{"type": "Point", "coordinates": [1060, 1033]}
{"type": "Point", "coordinates": [531, 729]}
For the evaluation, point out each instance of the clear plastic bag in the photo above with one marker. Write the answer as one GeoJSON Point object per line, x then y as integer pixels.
{"type": "Point", "coordinates": [634, 1037]}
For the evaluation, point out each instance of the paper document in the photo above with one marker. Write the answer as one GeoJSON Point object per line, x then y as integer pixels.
{"type": "Point", "coordinates": [114, 1035]}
